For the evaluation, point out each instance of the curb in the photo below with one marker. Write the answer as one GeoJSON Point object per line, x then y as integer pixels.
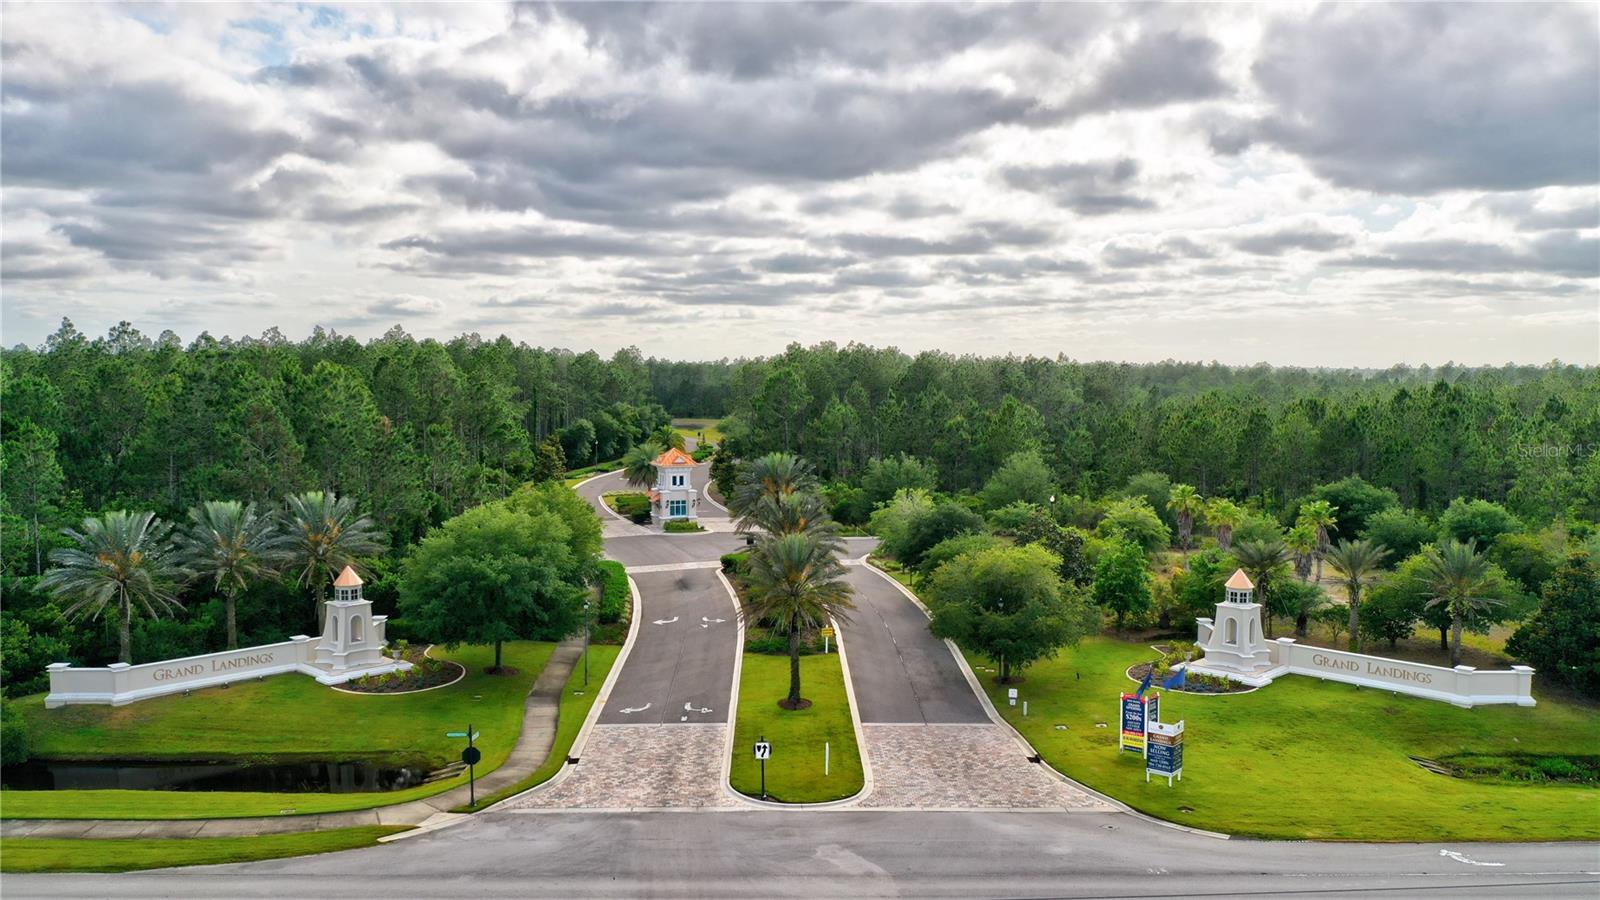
{"type": "Point", "coordinates": [994, 715]}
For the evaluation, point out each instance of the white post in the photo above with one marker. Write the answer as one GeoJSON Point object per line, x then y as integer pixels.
{"type": "Point", "coordinates": [824, 645]}
{"type": "Point", "coordinates": [1024, 709]}
{"type": "Point", "coordinates": [826, 758]}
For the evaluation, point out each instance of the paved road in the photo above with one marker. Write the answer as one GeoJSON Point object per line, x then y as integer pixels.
{"type": "Point", "coordinates": [683, 666]}
{"type": "Point", "coordinates": [902, 673]}
{"type": "Point", "coordinates": [861, 854]}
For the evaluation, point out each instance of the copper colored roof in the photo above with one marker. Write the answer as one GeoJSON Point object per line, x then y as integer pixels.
{"type": "Point", "coordinates": [1240, 581]}
{"type": "Point", "coordinates": [675, 457]}
{"type": "Point", "coordinates": [347, 578]}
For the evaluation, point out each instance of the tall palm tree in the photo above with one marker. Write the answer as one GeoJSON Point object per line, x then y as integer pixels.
{"type": "Point", "coordinates": [797, 581]}
{"type": "Point", "coordinates": [1321, 516]}
{"type": "Point", "coordinates": [1457, 576]}
{"type": "Point", "coordinates": [1302, 542]}
{"type": "Point", "coordinates": [1356, 563]}
{"type": "Point", "coordinates": [768, 477]}
{"type": "Point", "coordinates": [803, 512]}
{"type": "Point", "coordinates": [639, 464]}
{"type": "Point", "coordinates": [1224, 515]}
{"type": "Point", "coordinates": [667, 436]}
{"type": "Point", "coordinates": [324, 533]}
{"type": "Point", "coordinates": [1261, 560]}
{"type": "Point", "coordinates": [122, 559]}
{"type": "Point", "coordinates": [229, 544]}
{"type": "Point", "coordinates": [1185, 503]}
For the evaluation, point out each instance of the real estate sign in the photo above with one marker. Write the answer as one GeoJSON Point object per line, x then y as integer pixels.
{"type": "Point", "coordinates": [1137, 713]}
{"type": "Point", "coordinates": [1164, 755]}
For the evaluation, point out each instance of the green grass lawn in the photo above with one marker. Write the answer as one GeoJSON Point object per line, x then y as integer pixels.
{"type": "Point", "coordinates": [127, 855]}
{"type": "Point", "coordinates": [1304, 758]}
{"type": "Point", "coordinates": [283, 717]}
{"type": "Point", "coordinates": [794, 773]}
{"type": "Point", "coordinates": [697, 427]}
{"type": "Point", "coordinates": [572, 478]}
{"type": "Point", "coordinates": [576, 701]}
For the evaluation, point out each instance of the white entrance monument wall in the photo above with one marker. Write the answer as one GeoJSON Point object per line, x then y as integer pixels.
{"type": "Point", "coordinates": [348, 649]}
{"type": "Point", "coordinates": [1462, 685]}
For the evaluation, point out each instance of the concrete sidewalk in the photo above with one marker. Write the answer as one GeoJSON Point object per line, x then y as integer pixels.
{"type": "Point", "coordinates": [538, 735]}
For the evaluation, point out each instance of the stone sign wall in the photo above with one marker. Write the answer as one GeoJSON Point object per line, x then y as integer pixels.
{"type": "Point", "coordinates": [1461, 685]}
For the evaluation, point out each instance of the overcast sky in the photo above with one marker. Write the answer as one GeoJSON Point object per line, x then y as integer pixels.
{"type": "Point", "coordinates": [1316, 185]}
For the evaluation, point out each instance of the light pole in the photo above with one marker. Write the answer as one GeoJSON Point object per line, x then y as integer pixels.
{"type": "Point", "coordinates": [587, 628]}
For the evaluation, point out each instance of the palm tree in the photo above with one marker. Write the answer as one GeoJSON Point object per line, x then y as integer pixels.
{"type": "Point", "coordinates": [639, 465]}
{"type": "Point", "coordinates": [768, 477]}
{"type": "Point", "coordinates": [1261, 560]}
{"type": "Point", "coordinates": [802, 512]}
{"type": "Point", "coordinates": [797, 581]}
{"type": "Point", "coordinates": [1302, 541]}
{"type": "Point", "coordinates": [229, 544]}
{"type": "Point", "coordinates": [1321, 516]}
{"type": "Point", "coordinates": [323, 534]}
{"type": "Point", "coordinates": [1456, 576]}
{"type": "Point", "coordinates": [667, 436]}
{"type": "Point", "coordinates": [1224, 515]}
{"type": "Point", "coordinates": [1185, 503]}
{"type": "Point", "coordinates": [1357, 564]}
{"type": "Point", "coordinates": [121, 559]}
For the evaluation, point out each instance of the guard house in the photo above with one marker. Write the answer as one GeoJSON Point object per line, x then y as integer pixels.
{"type": "Point", "coordinates": [674, 496]}
{"type": "Point", "coordinates": [1233, 643]}
{"type": "Point", "coordinates": [352, 637]}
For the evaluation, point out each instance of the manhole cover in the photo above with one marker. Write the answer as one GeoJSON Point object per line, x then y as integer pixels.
{"type": "Point", "coordinates": [1061, 728]}
{"type": "Point", "coordinates": [1185, 809]}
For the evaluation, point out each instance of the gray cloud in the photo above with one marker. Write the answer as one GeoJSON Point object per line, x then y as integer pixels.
{"type": "Point", "coordinates": [1560, 253]}
{"type": "Point", "coordinates": [1422, 97]}
{"type": "Point", "coordinates": [1089, 189]}
{"type": "Point", "coordinates": [1160, 68]}
{"type": "Point", "coordinates": [1283, 240]}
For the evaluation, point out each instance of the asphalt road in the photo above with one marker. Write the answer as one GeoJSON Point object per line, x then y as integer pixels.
{"type": "Point", "coordinates": [901, 672]}
{"type": "Point", "coordinates": [861, 854]}
{"type": "Point", "coordinates": [682, 662]}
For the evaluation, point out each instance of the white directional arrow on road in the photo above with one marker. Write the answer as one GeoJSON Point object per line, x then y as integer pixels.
{"type": "Point", "coordinates": [666, 621]}
{"type": "Point", "coordinates": [690, 707]}
{"type": "Point", "coordinates": [707, 622]}
{"type": "Point", "coordinates": [634, 709]}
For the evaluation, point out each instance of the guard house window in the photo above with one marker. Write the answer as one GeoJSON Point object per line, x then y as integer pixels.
{"type": "Point", "coordinates": [677, 481]}
{"type": "Point", "coordinates": [677, 507]}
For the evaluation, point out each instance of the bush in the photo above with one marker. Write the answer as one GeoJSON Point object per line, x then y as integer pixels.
{"type": "Point", "coordinates": [681, 526]}
{"type": "Point", "coordinates": [735, 563]}
{"type": "Point", "coordinates": [615, 598]}
{"type": "Point", "coordinates": [14, 745]}
{"type": "Point", "coordinates": [703, 453]}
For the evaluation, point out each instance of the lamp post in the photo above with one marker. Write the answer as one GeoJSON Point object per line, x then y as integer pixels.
{"type": "Point", "coordinates": [588, 626]}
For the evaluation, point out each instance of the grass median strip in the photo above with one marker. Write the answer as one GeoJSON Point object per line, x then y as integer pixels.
{"type": "Point", "coordinates": [795, 771]}
{"type": "Point", "coordinates": [285, 717]}
{"type": "Point", "coordinates": [25, 854]}
{"type": "Point", "coordinates": [576, 701]}
{"type": "Point", "coordinates": [1304, 758]}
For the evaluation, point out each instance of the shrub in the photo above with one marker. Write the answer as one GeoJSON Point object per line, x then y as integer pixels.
{"type": "Point", "coordinates": [735, 563]}
{"type": "Point", "coordinates": [681, 526]}
{"type": "Point", "coordinates": [14, 745]}
{"type": "Point", "coordinates": [614, 594]}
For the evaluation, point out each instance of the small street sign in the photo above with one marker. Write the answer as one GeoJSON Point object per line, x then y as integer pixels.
{"type": "Point", "coordinates": [827, 632]}
{"type": "Point", "coordinates": [763, 752]}
{"type": "Point", "coordinates": [471, 756]}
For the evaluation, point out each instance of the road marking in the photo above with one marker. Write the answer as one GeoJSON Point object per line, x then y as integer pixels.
{"type": "Point", "coordinates": [665, 621]}
{"type": "Point", "coordinates": [629, 710]}
{"type": "Point", "coordinates": [690, 707]}
{"type": "Point", "coordinates": [707, 622]}
{"type": "Point", "coordinates": [674, 567]}
{"type": "Point", "coordinates": [1463, 858]}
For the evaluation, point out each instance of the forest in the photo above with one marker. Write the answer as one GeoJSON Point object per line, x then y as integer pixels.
{"type": "Point", "coordinates": [418, 431]}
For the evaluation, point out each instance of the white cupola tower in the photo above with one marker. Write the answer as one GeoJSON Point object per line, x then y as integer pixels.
{"type": "Point", "coordinates": [352, 637]}
{"type": "Point", "coordinates": [1233, 642]}
{"type": "Point", "coordinates": [675, 496]}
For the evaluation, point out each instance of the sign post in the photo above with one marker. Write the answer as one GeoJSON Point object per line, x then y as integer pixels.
{"type": "Point", "coordinates": [763, 751]}
{"type": "Point", "coordinates": [1137, 714]}
{"type": "Point", "coordinates": [826, 634]}
{"type": "Point", "coordinates": [1166, 752]}
{"type": "Point", "coordinates": [471, 756]}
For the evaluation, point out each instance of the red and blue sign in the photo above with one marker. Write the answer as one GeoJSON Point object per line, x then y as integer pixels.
{"type": "Point", "coordinates": [1137, 714]}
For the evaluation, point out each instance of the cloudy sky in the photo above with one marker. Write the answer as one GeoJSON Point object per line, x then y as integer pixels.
{"type": "Point", "coordinates": [1319, 185]}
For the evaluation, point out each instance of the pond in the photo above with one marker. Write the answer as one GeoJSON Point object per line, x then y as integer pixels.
{"type": "Point", "coordinates": [200, 775]}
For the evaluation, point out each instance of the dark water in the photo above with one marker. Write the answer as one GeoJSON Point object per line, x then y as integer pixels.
{"type": "Point", "coordinates": [128, 775]}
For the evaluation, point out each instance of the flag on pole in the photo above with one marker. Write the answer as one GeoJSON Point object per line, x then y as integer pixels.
{"type": "Point", "coordinates": [1145, 684]}
{"type": "Point", "coordinates": [1175, 680]}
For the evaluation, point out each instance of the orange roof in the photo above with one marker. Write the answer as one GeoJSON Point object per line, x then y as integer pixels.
{"type": "Point", "coordinates": [347, 578]}
{"type": "Point", "coordinates": [1241, 581]}
{"type": "Point", "coordinates": [675, 457]}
